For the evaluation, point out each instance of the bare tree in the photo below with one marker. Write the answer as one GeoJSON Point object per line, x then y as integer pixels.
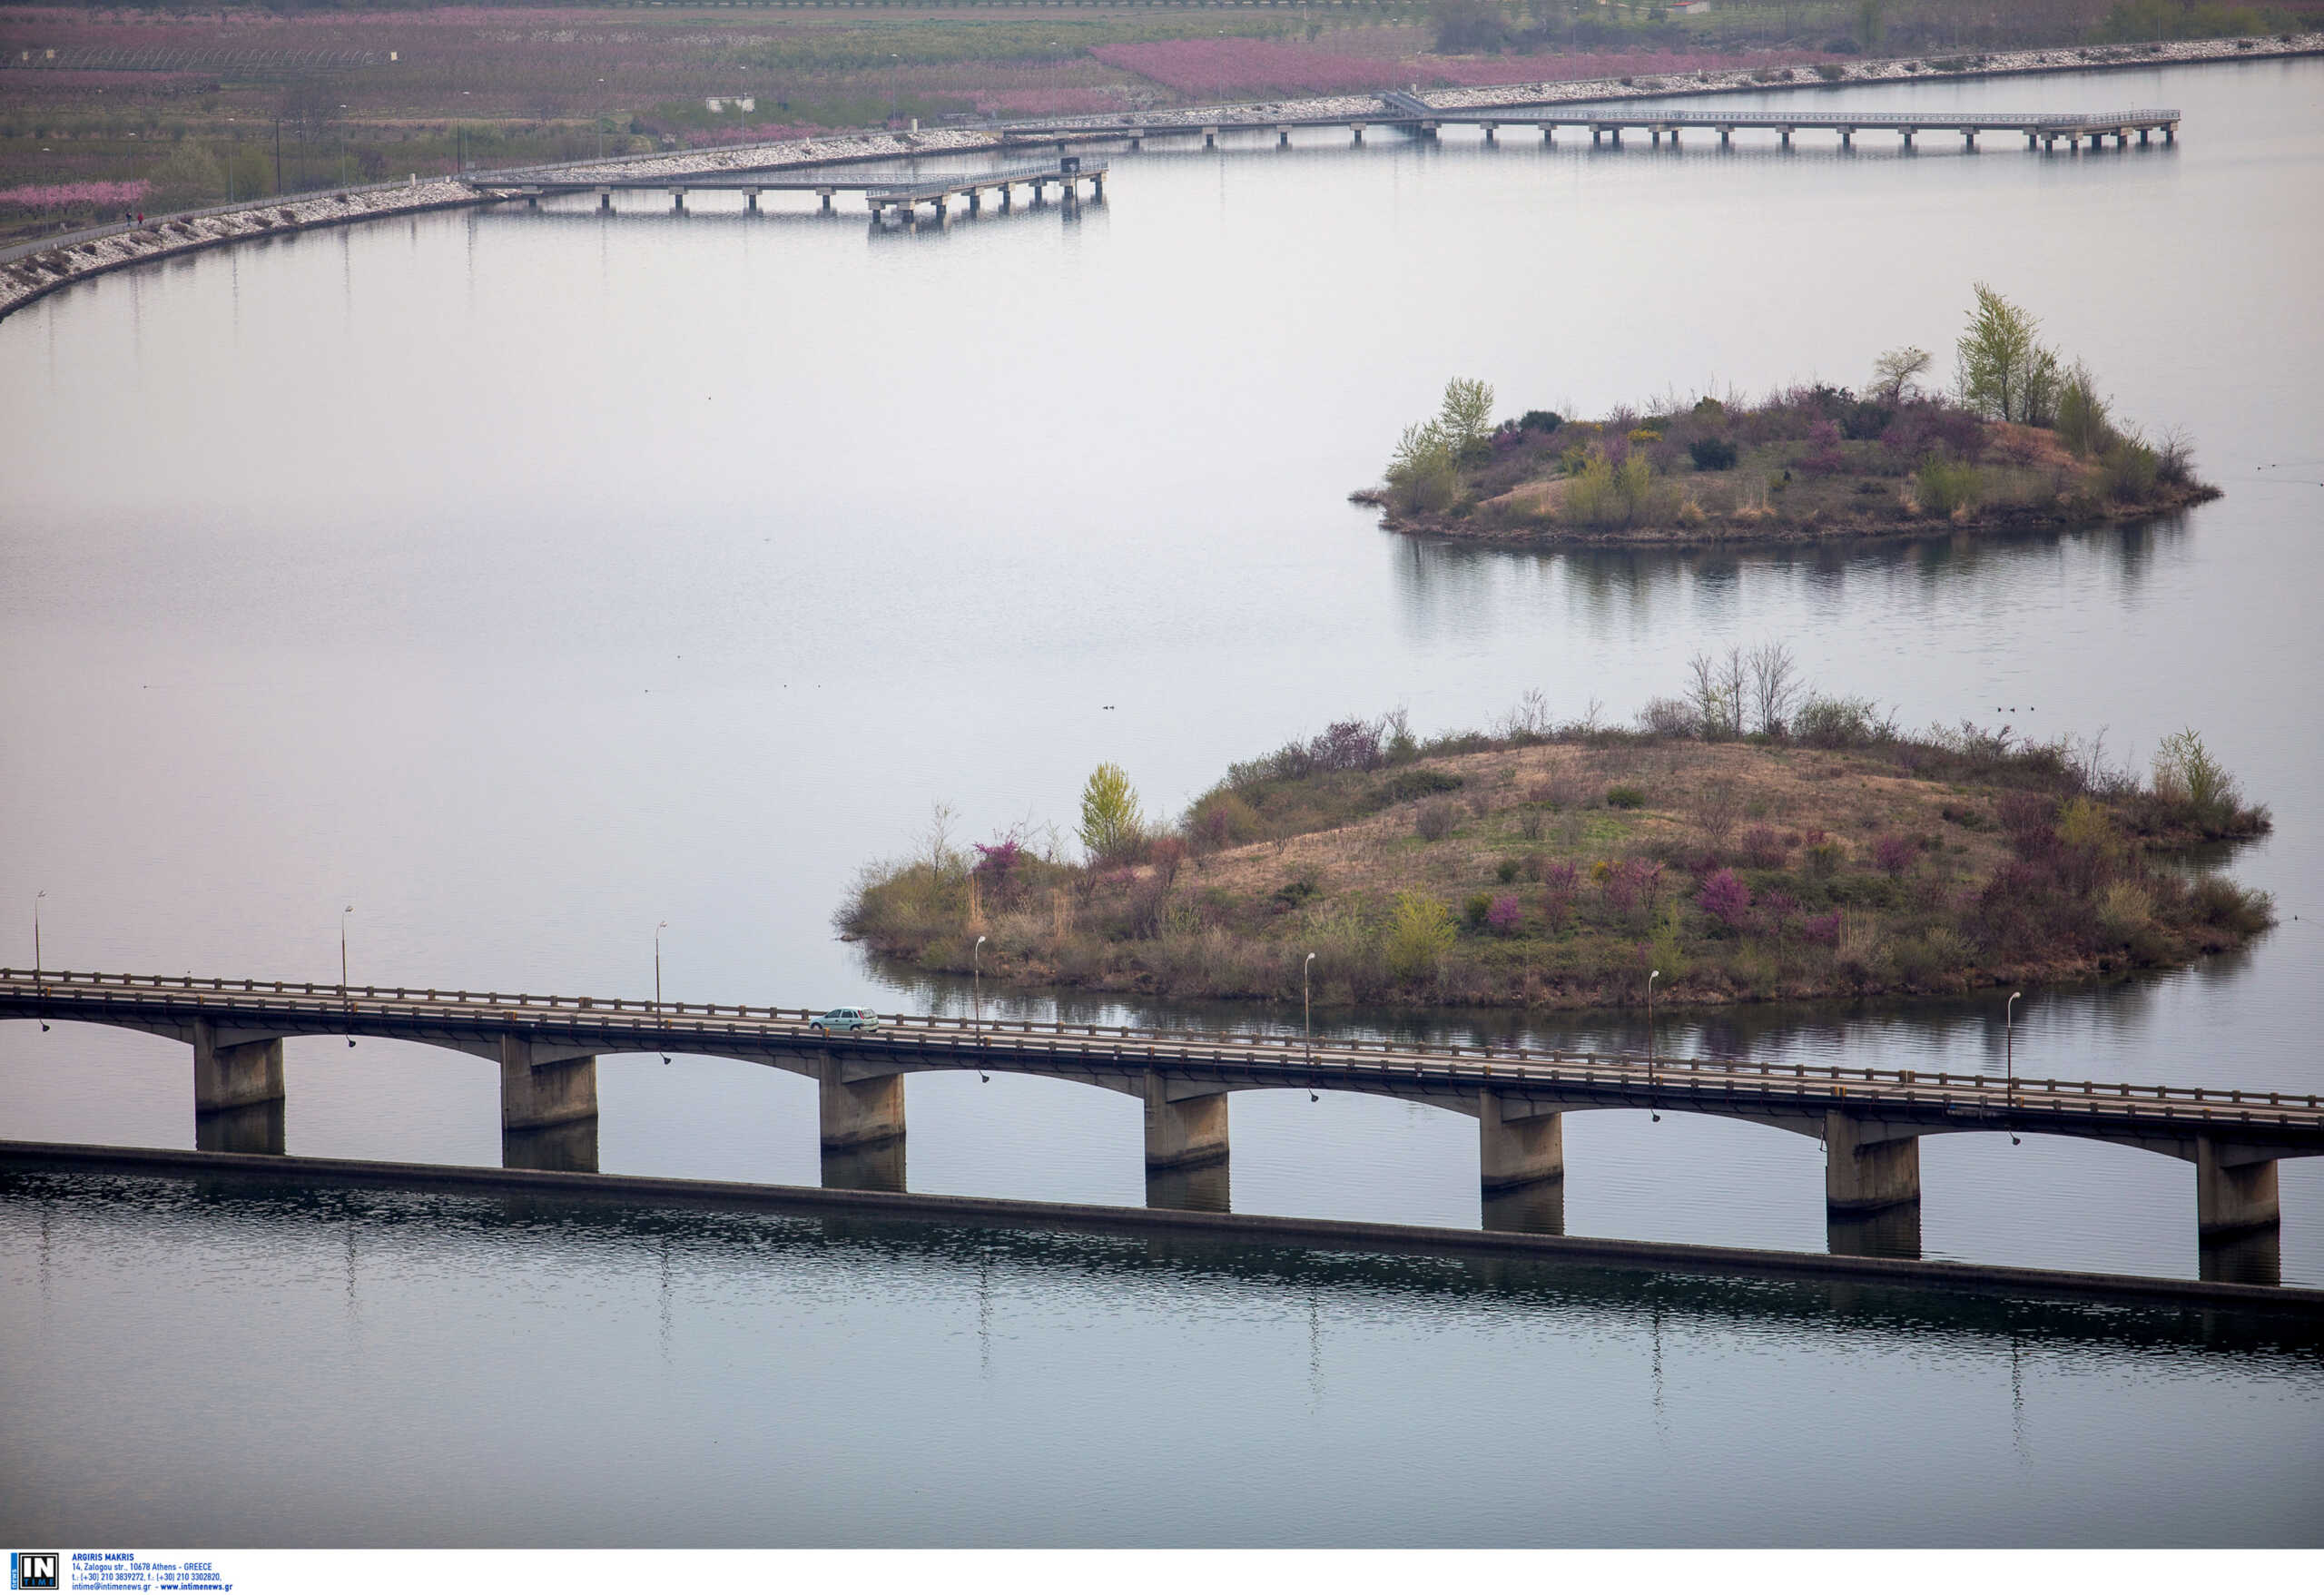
{"type": "Point", "coordinates": [1528, 719]}
{"type": "Point", "coordinates": [1716, 692]}
{"type": "Point", "coordinates": [1776, 686]}
{"type": "Point", "coordinates": [1893, 373]}
{"type": "Point", "coordinates": [936, 851]}
{"type": "Point", "coordinates": [1716, 804]}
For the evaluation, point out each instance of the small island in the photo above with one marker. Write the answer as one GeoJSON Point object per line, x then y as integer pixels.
{"type": "Point", "coordinates": [1750, 840]}
{"type": "Point", "coordinates": [2024, 441]}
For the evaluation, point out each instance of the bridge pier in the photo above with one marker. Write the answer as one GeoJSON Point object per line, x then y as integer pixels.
{"type": "Point", "coordinates": [234, 1069]}
{"type": "Point", "coordinates": [1969, 140]}
{"type": "Point", "coordinates": [1867, 1168]}
{"type": "Point", "coordinates": [1492, 133]}
{"type": "Point", "coordinates": [1894, 1231]}
{"type": "Point", "coordinates": [1725, 137]}
{"type": "Point", "coordinates": [853, 1114]}
{"type": "Point", "coordinates": [1282, 137]}
{"type": "Point", "coordinates": [825, 196]}
{"type": "Point", "coordinates": [1786, 136]}
{"type": "Point", "coordinates": [2239, 1219]}
{"type": "Point", "coordinates": [2235, 1188]}
{"type": "Point", "coordinates": [678, 199]}
{"type": "Point", "coordinates": [2142, 133]}
{"type": "Point", "coordinates": [1517, 1145]}
{"type": "Point", "coordinates": [1098, 188]}
{"type": "Point", "coordinates": [1848, 138]}
{"type": "Point", "coordinates": [2170, 133]}
{"type": "Point", "coordinates": [604, 199]}
{"type": "Point", "coordinates": [976, 201]}
{"type": "Point", "coordinates": [1206, 1188]}
{"type": "Point", "coordinates": [1521, 1165]}
{"type": "Point", "coordinates": [1549, 133]}
{"type": "Point", "coordinates": [1138, 138]}
{"type": "Point", "coordinates": [1210, 138]}
{"type": "Point", "coordinates": [1185, 1124]}
{"type": "Point", "coordinates": [570, 1147]}
{"type": "Point", "coordinates": [865, 1168]}
{"type": "Point", "coordinates": [256, 1129]}
{"type": "Point", "coordinates": [1357, 128]}
{"type": "Point", "coordinates": [751, 201]}
{"type": "Point", "coordinates": [543, 1086]}
{"type": "Point", "coordinates": [1908, 138]}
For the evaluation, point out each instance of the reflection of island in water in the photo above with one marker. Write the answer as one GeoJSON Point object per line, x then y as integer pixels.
{"type": "Point", "coordinates": [1451, 588]}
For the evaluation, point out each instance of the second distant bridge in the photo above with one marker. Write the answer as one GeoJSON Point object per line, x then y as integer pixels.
{"type": "Point", "coordinates": [885, 196]}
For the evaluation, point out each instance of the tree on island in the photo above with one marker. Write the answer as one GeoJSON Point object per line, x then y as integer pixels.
{"type": "Point", "coordinates": [2004, 372]}
{"type": "Point", "coordinates": [1112, 825]}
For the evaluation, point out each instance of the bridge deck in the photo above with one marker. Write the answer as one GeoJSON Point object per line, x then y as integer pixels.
{"type": "Point", "coordinates": [2163, 1118]}
{"type": "Point", "coordinates": [1400, 109]}
{"type": "Point", "coordinates": [887, 189]}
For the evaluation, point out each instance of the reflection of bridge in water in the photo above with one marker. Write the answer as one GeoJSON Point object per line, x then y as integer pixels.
{"type": "Point", "coordinates": [1869, 1121]}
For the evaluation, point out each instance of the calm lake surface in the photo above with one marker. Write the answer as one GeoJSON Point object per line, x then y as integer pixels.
{"type": "Point", "coordinates": [528, 579]}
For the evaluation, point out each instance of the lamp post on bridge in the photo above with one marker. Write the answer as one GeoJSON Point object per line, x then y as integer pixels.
{"type": "Point", "coordinates": [976, 975]}
{"type": "Point", "coordinates": [38, 990]}
{"type": "Point", "coordinates": [345, 1001]}
{"type": "Point", "coordinates": [2009, 1057]}
{"type": "Point", "coordinates": [657, 987]}
{"type": "Point", "coordinates": [1653, 1111]}
{"type": "Point", "coordinates": [1307, 1021]}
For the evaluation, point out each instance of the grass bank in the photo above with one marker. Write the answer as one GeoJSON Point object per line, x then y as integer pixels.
{"type": "Point", "coordinates": [1749, 840]}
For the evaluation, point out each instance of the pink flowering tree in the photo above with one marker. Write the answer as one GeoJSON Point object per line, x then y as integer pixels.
{"type": "Point", "coordinates": [1726, 899]}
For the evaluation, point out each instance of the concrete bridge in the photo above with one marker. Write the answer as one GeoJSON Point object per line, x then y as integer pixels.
{"type": "Point", "coordinates": [1408, 113]}
{"type": "Point", "coordinates": [1869, 1121]}
{"type": "Point", "coordinates": [900, 197]}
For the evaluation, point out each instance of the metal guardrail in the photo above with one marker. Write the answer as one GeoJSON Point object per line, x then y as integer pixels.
{"type": "Point", "coordinates": [1291, 1057]}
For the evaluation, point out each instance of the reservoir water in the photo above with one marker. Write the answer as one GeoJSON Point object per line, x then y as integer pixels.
{"type": "Point", "coordinates": [526, 579]}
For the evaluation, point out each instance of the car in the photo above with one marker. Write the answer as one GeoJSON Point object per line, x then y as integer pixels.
{"type": "Point", "coordinates": [844, 1019]}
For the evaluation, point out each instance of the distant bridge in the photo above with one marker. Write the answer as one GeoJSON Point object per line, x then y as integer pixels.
{"type": "Point", "coordinates": [1409, 112]}
{"type": "Point", "coordinates": [901, 196]}
{"type": "Point", "coordinates": [1869, 1121]}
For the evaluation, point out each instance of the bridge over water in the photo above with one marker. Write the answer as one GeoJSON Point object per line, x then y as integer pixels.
{"type": "Point", "coordinates": [1869, 1121]}
{"type": "Point", "coordinates": [1608, 122]}
{"type": "Point", "coordinates": [900, 195]}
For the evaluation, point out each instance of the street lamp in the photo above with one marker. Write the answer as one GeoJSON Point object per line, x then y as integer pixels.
{"type": "Point", "coordinates": [37, 990]}
{"type": "Point", "coordinates": [976, 974]}
{"type": "Point", "coordinates": [2009, 1056]}
{"type": "Point", "coordinates": [658, 985]}
{"type": "Point", "coordinates": [1655, 1112]}
{"type": "Point", "coordinates": [344, 1001]}
{"type": "Point", "coordinates": [1307, 1009]}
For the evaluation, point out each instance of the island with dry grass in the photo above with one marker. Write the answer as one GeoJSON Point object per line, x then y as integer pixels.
{"type": "Point", "coordinates": [2022, 441]}
{"type": "Point", "coordinates": [1749, 840]}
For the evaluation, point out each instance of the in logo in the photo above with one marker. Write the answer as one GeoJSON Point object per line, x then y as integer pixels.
{"type": "Point", "coordinates": [32, 1569]}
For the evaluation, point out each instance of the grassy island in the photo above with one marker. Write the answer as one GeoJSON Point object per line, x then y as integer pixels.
{"type": "Point", "coordinates": [2022, 441]}
{"type": "Point", "coordinates": [1821, 854]}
